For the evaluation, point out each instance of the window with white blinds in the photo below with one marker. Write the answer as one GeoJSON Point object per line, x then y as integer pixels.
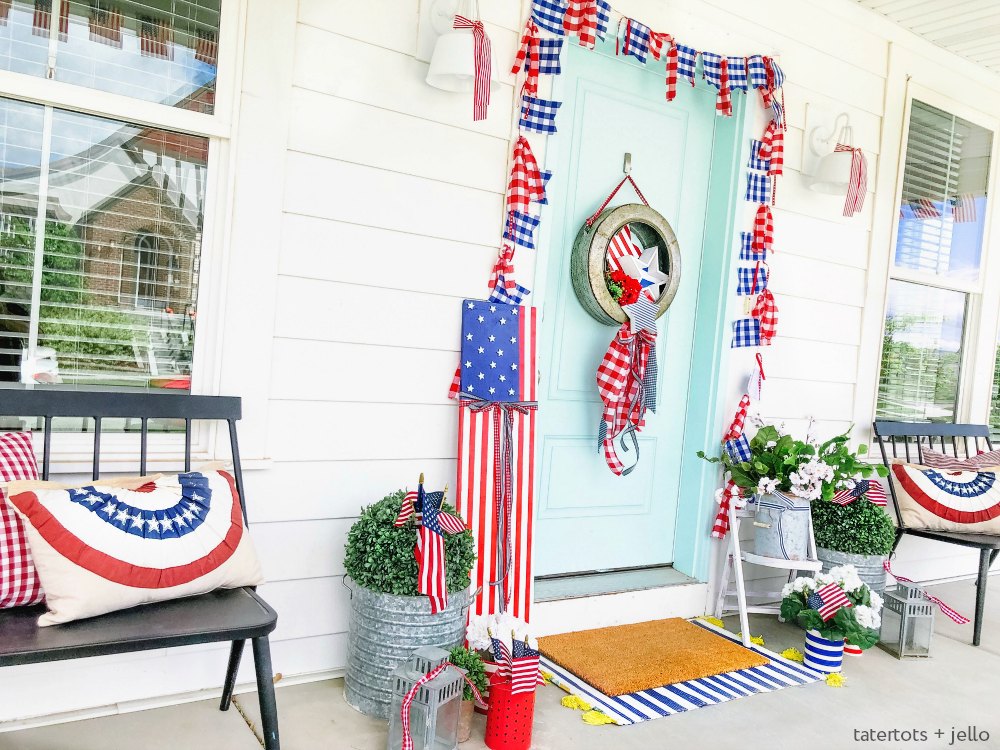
{"type": "Point", "coordinates": [937, 262]}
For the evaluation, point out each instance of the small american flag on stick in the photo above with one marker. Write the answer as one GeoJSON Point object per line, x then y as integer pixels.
{"type": "Point", "coordinates": [827, 600]}
{"type": "Point", "coordinates": [525, 671]}
{"type": "Point", "coordinates": [874, 491]}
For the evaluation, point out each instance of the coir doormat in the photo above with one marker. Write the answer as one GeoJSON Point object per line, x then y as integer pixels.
{"type": "Point", "coordinates": [629, 658]}
{"type": "Point", "coordinates": [666, 700]}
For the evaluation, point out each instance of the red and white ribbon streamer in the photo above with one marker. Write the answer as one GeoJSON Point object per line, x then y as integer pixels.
{"type": "Point", "coordinates": [948, 611]}
{"type": "Point", "coordinates": [483, 64]}
{"type": "Point", "coordinates": [404, 713]}
{"type": "Point", "coordinates": [857, 184]}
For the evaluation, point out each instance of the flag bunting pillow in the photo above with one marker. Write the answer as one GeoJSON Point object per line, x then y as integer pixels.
{"type": "Point", "coordinates": [947, 500]}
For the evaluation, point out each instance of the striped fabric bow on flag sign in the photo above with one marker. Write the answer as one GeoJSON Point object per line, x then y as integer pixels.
{"type": "Point", "coordinates": [482, 62]}
{"type": "Point", "coordinates": [827, 600]}
{"type": "Point", "coordinates": [857, 183]}
{"type": "Point", "coordinates": [429, 550]}
{"type": "Point", "coordinates": [871, 489]}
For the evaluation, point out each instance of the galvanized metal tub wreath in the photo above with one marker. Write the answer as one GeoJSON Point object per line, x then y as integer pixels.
{"type": "Point", "coordinates": [588, 260]}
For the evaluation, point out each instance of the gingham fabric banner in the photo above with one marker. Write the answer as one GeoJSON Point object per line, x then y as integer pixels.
{"type": "Point", "coordinates": [581, 19]}
{"type": "Point", "coordinates": [717, 75]}
{"type": "Point", "coordinates": [739, 79]}
{"type": "Point", "coordinates": [662, 47]}
{"type": "Point", "coordinates": [636, 40]}
{"type": "Point", "coordinates": [763, 230]}
{"type": "Point", "coordinates": [746, 332]}
{"type": "Point", "coordinates": [621, 379]}
{"type": "Point", "coordinates": [772, 148]}
{"type": "Point", "coordinates": [549, 14]}
{"type": "Point", "coordinates": [508, 295]}
{"type": "Point", "coordinates": [757, 71]}
{"type": "Point", "coordinates": [482, 64]}
{"type": "Point", "coordinates": [546, 176]}
{"type": "Point", "coordinates": [739, 422]}
{"type": "Point", "coordinates": [528, 57]}
{"type": "Point", "coordinates": [857, 184]}
{"type": "Point", "coordinates": [730, 494]}
{"type": "Point", "coordinates": [756, 160]}
{"type": "Point", "coordinates": [523, 227]}
{"type": "Point", "coordinates": [503, 269]}
{"type": "Point", "coordinates": [758, 187]}
{"type": "Point", "coordinates": [739, 449]}
{"type": "Point", "coordinates": [751, 280]}
{"type": "Point", "coordinates": [538, 115]}
{"type": "Point", "coordinates": [687, 62]}
{"type": "Point", "coordinates": [526, 183]}
{"type": "Point", "coordinates": [746, 248]}
{"type": "Point", "coordinates": [549, 53]}
{"type": "Point", "coordinates": [766, 311]}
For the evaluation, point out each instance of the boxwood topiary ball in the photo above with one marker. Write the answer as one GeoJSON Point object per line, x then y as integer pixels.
{"type": "Point", "coordinates": [379, 556]}
{"type": "Point", "coordinates": [859, 528]}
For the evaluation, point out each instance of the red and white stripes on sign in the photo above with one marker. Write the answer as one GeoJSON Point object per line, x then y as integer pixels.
{"type": "Point", "coordinates": [475, 494]}
{"type": "Point", "coordinates": [857, 183]}
{"type": "Point", "coordinates": [621, 245]}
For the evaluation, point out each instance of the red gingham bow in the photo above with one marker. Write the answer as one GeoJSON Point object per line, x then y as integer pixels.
{"type": "Point", "coordinates": [404, 713]}
{"type": "Point", "coordinates": [721, 525]}
{"type": "Point", "coordinates": [767, 312]}
{"type": "Point", "coordinates": [724, 102]}
{"type": "Point", "coordinates": [662, 45]}
{"type": "Point", "coordinates": [763, 230]}
{"type": "Point", "coordinates": [945, 609]}
{"type": "Point", "coordinates": [739, 421]}
{"type": "Point", "coordinates": [620, 384]}
{"type": "Point", "coordinates": [772, 147]}
{"type": "Point", "coordinates": [529, 57]}
{"type": "Point", "coordinates": [526, 183]}
{"type": "Point", "coordinates": [483, 63]}
{"type": "Point", "coordinates": [581, 19]}
{"type": "Point", "coordinates": [858, 182]}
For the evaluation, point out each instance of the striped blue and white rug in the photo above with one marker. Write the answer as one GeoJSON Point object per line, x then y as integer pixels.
{"type": "Point", "coordinates": [633, 708]}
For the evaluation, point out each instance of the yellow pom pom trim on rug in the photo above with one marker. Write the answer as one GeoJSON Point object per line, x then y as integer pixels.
{"type": "Point", "coordinates": [575, 701]}
{"type": "Point", "coordinates": [547, 676]}
{"type": "Point", "coordinates": [596, 718]}
{"type": "Point", "coordinates": [793, 654]}
{"type": "Point", "coordinates": [755, 639]}
{"type": "Point", "coordinates": [835, 679]}
{"type": "Point", "coordinates": [713, 621]}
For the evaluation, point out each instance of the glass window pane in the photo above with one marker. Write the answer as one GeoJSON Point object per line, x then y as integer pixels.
{"type": "Point", "coordinates": [943, 211]}
{"type": "Point", "coordinates": [921, 353]}
{"type": "Point", "coordinates": [121, 249]}
{"type": "Point", "coordinates": [162, 51]}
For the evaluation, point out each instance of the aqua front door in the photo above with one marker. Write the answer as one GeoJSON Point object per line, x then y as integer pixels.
{"type": "Point", "coordinates": [588, 518]}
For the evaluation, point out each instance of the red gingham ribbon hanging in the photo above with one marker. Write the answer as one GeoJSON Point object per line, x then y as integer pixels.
{"type": "Point", "coordinates": [404, 713]}
{"type": "Point", "coordinates": [767, 93]}
{"type": "Point", "coordinates": [766, 310]}
{"type": "Point", "coordinates": [772, 147]}
{"type": "Point", "coordinates": [483, 64]}
{"type": "Point", "coordinates": [945, 609]}
{"type": "Point", "coordinates": [529, 58]}
{"type": "Point", "coordinates": [724, 101]}
{"type": "Point", "coordinates": [503, 267]}
{"type": "Point", "coordinates": [620, 385]}
{"type": "Point", "coordinates": [730, 493]}
{"type": "Point", "coordinates": [662, 46]}
{"type": "Point", "coordinates": [858, 182]}
{"type": "Point", "coordinates": [526, 183]}
{"type": "Point", "coordinates": [581, 19]}
{"type": "Point", "coordinates": [763, 230]}
{"type": "Point", "coordinates": [739, 420]}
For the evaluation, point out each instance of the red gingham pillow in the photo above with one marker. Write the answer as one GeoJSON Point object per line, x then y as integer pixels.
{"type": "Point", "coordinates": [19, 585]}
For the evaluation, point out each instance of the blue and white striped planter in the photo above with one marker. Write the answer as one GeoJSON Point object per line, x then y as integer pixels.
{"type": "Point", "coordinates": [823, 655]}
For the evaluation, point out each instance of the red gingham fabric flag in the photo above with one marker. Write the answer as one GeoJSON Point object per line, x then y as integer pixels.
{"type": "Point", "coordinates": [772, 147]}
{"type": "Point", "coordinates": [456, 384]}
{"type": "Point", "coordinates": [730, 493]}
{"type": "Point", "coordinates": [620, 385]}
{"type": "Point", "coordinates": [581, 19]}
{"type": "Point", "coordinates": [763, 230]}
{"type": "Point", "coordinates": [739, 420]}
{"type": "Point", "coordinates": [766, 310]}
{"type": "Point", "coordinates": [528, 57]}
{"type": "Point", "coordinates": [526, 183]}
{"type": "Point", "coordinates": [19, 584]}
{"type": "Point", "coordinates": [858, 181]}
{"type": "Point", "coordinates": [482, 62]}
{"type": "Point", "coordinates": [724, 101]}
{"type": "Point", "coordinates": [663, 47]}
{"type": "Point", "coordinates": [503, 269]}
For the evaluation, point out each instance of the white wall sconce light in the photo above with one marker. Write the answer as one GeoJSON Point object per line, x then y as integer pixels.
{"type": "Point", "coordinates": [452, 64]}
{"type": "Point", "coordinates": [832, 172]}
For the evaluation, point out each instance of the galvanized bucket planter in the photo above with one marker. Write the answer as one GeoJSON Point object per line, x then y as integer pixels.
{"type": "Point", "coordinates": [384, 631]}
{"type": "Point", "coordinates": [869, 567]}
{"type": "Point", "coordinates": [781, 527]}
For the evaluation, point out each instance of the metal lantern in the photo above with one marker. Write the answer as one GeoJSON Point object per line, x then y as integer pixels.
{"type": "Point", "coordinates": [436, 705]}
{"type": "Point", "coordinates": [907, 622]}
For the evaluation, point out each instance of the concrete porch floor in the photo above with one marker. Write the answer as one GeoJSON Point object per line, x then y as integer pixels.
{"type": "Point", "coordinates": [955, 688]}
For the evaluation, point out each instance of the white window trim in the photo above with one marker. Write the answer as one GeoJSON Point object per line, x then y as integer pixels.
{"type": "Point", "coordinates": [72, 452]}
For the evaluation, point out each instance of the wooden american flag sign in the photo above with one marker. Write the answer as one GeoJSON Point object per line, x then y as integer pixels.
{"type": "Point", "coordinates": [482, 440]}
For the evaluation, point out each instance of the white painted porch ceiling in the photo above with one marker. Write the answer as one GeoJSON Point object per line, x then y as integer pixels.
{"type": "Point", "coordinates": [970, 28]}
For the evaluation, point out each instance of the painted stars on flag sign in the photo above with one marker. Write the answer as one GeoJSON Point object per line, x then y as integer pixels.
{"type": "Point", "coordinates": [492, 351]}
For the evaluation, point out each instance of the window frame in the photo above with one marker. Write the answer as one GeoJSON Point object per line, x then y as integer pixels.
{"type": "Point", "coordinates": [72, 451]}
{"type": "Point", "coordinates": [982, 317]}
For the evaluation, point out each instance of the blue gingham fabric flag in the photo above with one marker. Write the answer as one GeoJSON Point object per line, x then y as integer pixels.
{"type": "Point", "coordinates": [746, 248]}
{"type": "Point", "coordinates": [739, 449]}
{"type": "Point", "coordinates": [524, 226]}
{"type": "Point", "coordinates": [712, 65]}
{"type": "Point", "coordinates": [506, 296]}
{"type": "Point", "coordinates": [746, 278]}
{"type": "Point", "coordinates": [755, 162]}
{"type": "Point", "coordinates": [687, 62]}
{"type": "Point", "coordinates": [603, 16]}
{"type": "Point", "coordinates": [539, 115]}
{"type": "Point", "coordinates": [779, 75]}
{"type": "Point", "coordinates": [746, 332]}
{"type": "Point", "coordinates": [757, 71]}
{"type": "Point", "coordinates": [546, 176]}
{"type": "Point", "coordinates": [738, 76]}
{"type": "Point", "coordinates": [548, 56]}
{"type": "Point", "coordinates": [636, 41]}
{"type": "Point", "coordinates": [758, 187]}
{"type": "Point", "coordinates": [548, 14]}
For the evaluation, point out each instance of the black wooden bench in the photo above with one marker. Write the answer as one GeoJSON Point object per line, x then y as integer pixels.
{"type": "Point", "coordinates": [907, 440]}
{"type": "Point", "coordinates": [234, 615]}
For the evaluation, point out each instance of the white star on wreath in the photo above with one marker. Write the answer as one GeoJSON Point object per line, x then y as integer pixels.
{"type": "Point", "coordinates": [646, 268]}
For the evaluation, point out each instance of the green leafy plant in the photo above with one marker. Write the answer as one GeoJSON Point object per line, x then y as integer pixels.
{"type": "Point", "coordinates": [858, 623]}
{"type": "Point", "coordinates": [472, 663]}
{"type": "Point", "coordinates": [860, 528]}
{"type": "Point", "coordinates": [379, 556]}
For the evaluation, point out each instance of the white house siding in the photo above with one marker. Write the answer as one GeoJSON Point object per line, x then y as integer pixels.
{"type": "Point", "coordinates": [365, 204]}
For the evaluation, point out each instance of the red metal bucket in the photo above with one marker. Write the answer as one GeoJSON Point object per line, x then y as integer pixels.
{"type": "Point", "coordinates": [509, 720]}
